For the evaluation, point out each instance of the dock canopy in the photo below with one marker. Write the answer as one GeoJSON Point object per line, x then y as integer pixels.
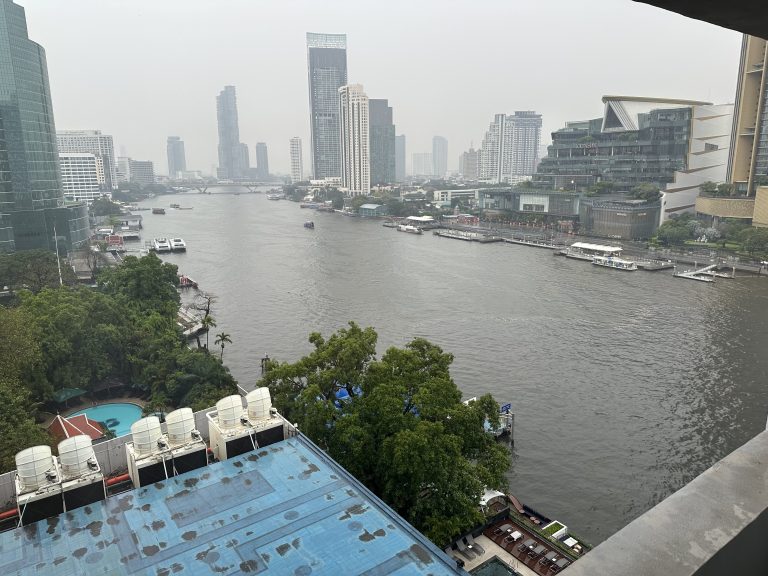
{"type": "Point", "coordinates": [65, 394]}
{"type": "Point", "coordinates": [596, 248]}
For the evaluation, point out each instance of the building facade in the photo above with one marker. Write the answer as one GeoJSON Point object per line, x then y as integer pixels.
{"type": "Point", "coordinates": [382, 144]}
{"type": "Point", "coordinates": [33, 213]}
{"type": "Point", "coordinates": [422, 164]}
{"type": "Point", "coordinates": [469, 164]}
{"type": "Point", "coordinates": [509, 152]}
{"type": "Point", "coordinates": [177, 159]}
{"type": "Point", "coordinates": [233, 155]}
{"type": "Point", "coordinates": [91, 142]}
{"type": "Point", "coordinates": [619, 219]}
{"type": "Point", "coordinates": [439, 156]}
{"type": "Point", "coordinates": [355, 140]}
{"type": "Point", "coordinates": [262, 160]}
{"type": "Point", "coordinates": [327, 67]}
{"type": "Point", "coordinates": [142, 172]}
{"type": "Point", "coordinates": [297, 160]}
{"type": "Point", "coordinates": [82, 176]}
{"type": "Point", "coordinates": [400, 158]}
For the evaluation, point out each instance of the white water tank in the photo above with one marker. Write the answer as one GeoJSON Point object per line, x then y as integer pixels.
{"type": "Point", "coordinates": [74, 454]}
{"type": "Point", "coordinates": [229, 410]}
{"type": "Point", "coordinates": [32, 465]}
{"type": "Point", "coordinates": [180, 424]}
{"type": "Point", "coordinates": [146, 432]}
{"type": "Point", "coordinates": [259, 404]}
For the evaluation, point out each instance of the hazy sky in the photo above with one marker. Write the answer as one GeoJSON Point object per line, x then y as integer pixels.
{"type": "Point", "coordinates": [142, 70]}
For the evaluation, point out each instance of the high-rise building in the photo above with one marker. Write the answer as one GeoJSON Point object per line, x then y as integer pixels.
{"type": "Point", "coordinates": [439, 156]}
{"type": "Point", "coordinates": [468, 164]}
{"type": "Point", "coordinates": [91, 142]}
{"type": "Point", "coordinates": [422, 164]}
{"type": "Point", "coordinates": [32, 209]}
{"type": "Point", "coordinates": [297, 160]}
{"type": "Point", "coordinates": [400, 158]}
{"type": "Point", "coordinates": [233, 155]}
{"type": "Point", "coordinates": [327, 65]}
{"type": "Point", "coordinates": [355, 153]}
{"type": "Point", "coordinates": [142, 172]}
{"type": "Point", "coordinates": [262, 161]}
{"type": "Point", "coordinates": [123, 169]}
{"type": "Point", "coordinates": [177, 160]}
{"type": "Point", "coordinates": [82, 176]}
{"type": "Point", "coordinates": [510, 149]}
{"type": "Point", "coordinates": [382, 142]}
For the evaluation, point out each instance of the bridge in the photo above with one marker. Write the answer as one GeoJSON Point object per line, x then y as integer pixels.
{"type": "Point", "coordinates": [202, 186]}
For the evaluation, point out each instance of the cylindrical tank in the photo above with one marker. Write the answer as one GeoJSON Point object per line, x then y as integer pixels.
{"type": "Point", "coordinates": [259, 404]}
{"type": "Point", "coordinates": [74, 454]}
{"type": "Point", "coordinates": [145, 433]}
{"type": "Point", "coordinates": [229, 410]}
{"type": "Point", "coordinates": [32, 464]}
{"type": "Point", "coordinates": [180, 424]}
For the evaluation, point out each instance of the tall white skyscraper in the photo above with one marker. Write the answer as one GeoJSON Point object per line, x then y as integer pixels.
{"type": "Point", "coordinates": [439, 156]}
{"type": "Point", "coordinates": [82, 176]}
{"type": "Point", "coordinates": [510, 148]}
{"type": "Point", "coordinates": [355, 142]}
{"type": "Point", "coordinates": [297, 160]}
{"type": "Point", "coordinates": [91, 142]}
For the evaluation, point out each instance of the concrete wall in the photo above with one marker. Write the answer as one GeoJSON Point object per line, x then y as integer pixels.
{"type": "Point", "coordinates": [760, 217]}
{"type": "Point", "coordinates": [726, 207]}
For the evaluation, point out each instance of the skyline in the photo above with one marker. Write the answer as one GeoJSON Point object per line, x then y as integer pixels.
{"type": "Point", "coordinates": [453, 91]}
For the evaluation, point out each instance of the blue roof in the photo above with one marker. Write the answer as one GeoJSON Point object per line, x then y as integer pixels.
{"type": "Point", "coordinates": [286, 509]}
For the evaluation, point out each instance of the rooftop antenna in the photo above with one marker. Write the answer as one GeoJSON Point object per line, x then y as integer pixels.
{"type": "Point", "coordinates": [58, 260]}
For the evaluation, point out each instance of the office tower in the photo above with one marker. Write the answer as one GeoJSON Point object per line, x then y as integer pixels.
{"type": "Point", "coordinates": [400, 158]}
{"type": "Point", "coordinates": [509, 152]}
{"type": "Point", "coordinates": [233, 155]}
{"type": "Point", "coordinates": [82, 176]}
{"type": "Point", "coordinates": [32, 210]}
{"type": "Point", "coordinates": [123, 169]}
{"type": "Point", "coordinates": [177, 160]}
{"type": "Point", "coordinates": [439, 156]}
{"type": "Point", "coordinates": [297, 160]}
{"type": "Point", "coordinates": [382, 142]}
{"type": "Point", "coordinates": [262, 160]}
{"type": "Point", "coordinates": [327, 65]}
{"type": "Point", "coordinates": [422, 164]}
{"type": "Point", "coordinates": [468, 164]}
{"type": "Point", "coordinates": [91, 142]}
{"type": "Point", "coordinates": [142, 172]}
{"type": "Point", "coordinates": [355, 154]}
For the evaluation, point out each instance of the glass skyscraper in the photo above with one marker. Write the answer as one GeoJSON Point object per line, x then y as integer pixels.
{"type": "Point", "coordinates": [177, 159]}
{"type": "Point", "coordinates": [382, 132]}
{"type": "Point", "coordinates": [327, 64]}
{"type": "Point", "coordinates": [233, 155]}
{"type": "Point", "coordinates": [31, 196]}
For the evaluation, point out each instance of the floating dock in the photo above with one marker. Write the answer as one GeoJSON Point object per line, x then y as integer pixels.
{"type": "Point", "coordinates": [467, 236]}
{"type": "Point", "coordinates": [701, 275]}
{"type": "Point", "coordinates": [534, 243]}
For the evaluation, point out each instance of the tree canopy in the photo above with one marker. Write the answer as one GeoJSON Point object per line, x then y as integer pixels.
{"type": "Point", "coordinates": [398, 424]}
{"type": "Point", "coordinates": [33, 270]}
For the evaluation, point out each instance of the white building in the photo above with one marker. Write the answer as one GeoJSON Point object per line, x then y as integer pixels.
{"type": "Point", "coordinates": [91, 142]}
{"type": "Point", "coordinates": [355, 153]}
{"type": "Point", "coordinates": [124, 169]}
{"type": "Point", "coordinates": [297, 160]}
{"type": "Point", "coordinates": [422, 164]}
{"type": "Point", "coordinates": [708, 150]}
{"type": "Point", "coordinates": [82, 176]}
{"type": "Point", "coordinates": [510, 149]}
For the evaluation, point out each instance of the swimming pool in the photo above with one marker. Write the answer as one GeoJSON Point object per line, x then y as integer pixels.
{"type": "Point", "coordinates": [117, 417]}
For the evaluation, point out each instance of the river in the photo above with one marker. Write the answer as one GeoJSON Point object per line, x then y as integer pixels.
{"type": "Point", "coordinates": [625, 385]}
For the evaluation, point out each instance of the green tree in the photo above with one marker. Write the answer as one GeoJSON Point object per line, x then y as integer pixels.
{"type": "Point", "coordinates": [646, 191]}
{"type": "Point", "coordinates": [148, 284]}
{"type": "Point", "coordinates": [725, 189]}
{"type": "Point", "coordinates": [33, 270]}
{"type": "Point", "coordinates": [397, 424]}
{"type": "Point", "coordinates": [105, 207]}
{"type": "Point", "coordinates": [754, 240]}
{"type": "Point", "coordinates": [207, 323]}
{"type": "Point", "coordinates": [17, 425]}
{"type": "Point", "coordinates": [221, 340]}
{"type": "Point", "coordinates": [673, 232]}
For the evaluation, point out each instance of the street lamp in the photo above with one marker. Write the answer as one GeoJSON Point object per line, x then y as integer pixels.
{"type": "Point", "coordinates": [573, 183]}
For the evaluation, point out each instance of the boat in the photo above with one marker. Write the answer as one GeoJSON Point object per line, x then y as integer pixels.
{"type": "Point", "coordinates": [408, 228]}
{"type": "Point", "coordinates": [311, 205]}
{"type": "Point", "coordinates": [186, 282]}
{"type": "Point", "coordinates": [175, 206]}
{"type": "Point", "coordinates": [178, 245]}
{"type": "Point", "coordinates": [309, 224]}
{"type": "Point", "coordinates": [390, 224]}
{"type": "Point", "coordinates": [158, 210]}
{"type": "Point", "coordinates": [161, 245]}
{"type": "Point", "coordinates": [615, 263]}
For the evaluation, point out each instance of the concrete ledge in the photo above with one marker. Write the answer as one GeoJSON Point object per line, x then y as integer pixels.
{"type": "Point", "coordinates": [726, 207]}
{"type": "Point", "coordinates": [715, 525]}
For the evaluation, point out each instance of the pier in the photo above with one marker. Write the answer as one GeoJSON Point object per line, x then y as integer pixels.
{"type": "Point", "coordinates": [700, 275]}
{"type": "Point", "coordinates": [536, 243]}
{"type": "Point", "coordinates": [467, 236]}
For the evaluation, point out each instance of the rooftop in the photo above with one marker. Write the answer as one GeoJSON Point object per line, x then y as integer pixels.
{"type": "Point", "coordinates": [286, 508]}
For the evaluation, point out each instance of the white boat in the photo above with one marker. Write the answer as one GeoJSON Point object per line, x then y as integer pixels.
{"type": "Point", "coordinates": [276, 196]}
{"type": "Point", "coordinates": [614, 262]}
{"type": "Point", "coordinates": [408, 228]}
{"type": "Point", "coordinates": [161, 245]}
{"type": "Point", "coordinates": [178, 245]}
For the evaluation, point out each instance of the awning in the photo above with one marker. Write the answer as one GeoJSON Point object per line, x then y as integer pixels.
{"type": "Point", "coordinates": [66, 393]}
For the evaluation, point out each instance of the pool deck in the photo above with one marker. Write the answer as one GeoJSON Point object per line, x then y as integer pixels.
{"type": "Point", "coordinates": [492, 549]}
{"type": "Point", "coordinates": [85, 404]}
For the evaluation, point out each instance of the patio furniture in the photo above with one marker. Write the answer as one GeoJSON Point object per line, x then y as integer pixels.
{"type": "Point", "coordinates": [513, 537]}
{"type": "Point", "coordinates": [559, 565]}
{"type": "Point", "coordinates": [548, 558]}
{"type": "Point", "coordinates": [538, 551]}
{"type": "Point", "coordinates": [464, 551]}
{"type": "Point", "coordinates": [501, 529]}
{"type": "Point", "coordinates": [474, 545]}
{"type": "Point", "coordinates": [527, 544]}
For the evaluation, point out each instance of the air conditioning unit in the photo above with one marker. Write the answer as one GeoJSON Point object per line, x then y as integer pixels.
{"type": "Point", "coordinates": [82, 482]}
{"type": "Point", "coordinates": [146, 454]}
{"type": "Point", "coordinates": [228, 429]}
{"type": "Point", "coordinates": [38, 485]}
{"type": "Point", "coordinates": [188, 450]}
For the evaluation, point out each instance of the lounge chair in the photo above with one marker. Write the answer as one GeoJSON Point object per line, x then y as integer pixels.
{"type": "Point", "coordinates": [464, 551]}
{"type": "Point", "coordinates": [474, 545]}
{"type": "Point", "coordinates": [513, 537]}
{"type": "Point", "coordinates": [548, 558]}
{"type": "Point", "coordinates": [501, 529]}
{"type": "Point", "coordinates": [540, 549]}
{"type": "Point", "coordinates": [527, 544]}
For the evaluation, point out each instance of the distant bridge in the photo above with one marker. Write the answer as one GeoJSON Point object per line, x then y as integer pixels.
{"type": "Point", "coordinates": [202, 187]}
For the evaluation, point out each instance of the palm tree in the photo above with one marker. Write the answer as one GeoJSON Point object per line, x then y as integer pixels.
{"type": "Point", "coordinates": [222, 339]}
{"type": "Point", "coordinates": [207, 322]}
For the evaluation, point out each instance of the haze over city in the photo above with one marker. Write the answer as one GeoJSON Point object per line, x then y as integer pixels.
{"type": "Point", "coordinates": [446, 68]}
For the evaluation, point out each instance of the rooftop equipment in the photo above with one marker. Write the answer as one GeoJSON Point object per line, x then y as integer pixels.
{"type": "Point", "coordinates": [38, 485]}
{"type": "Point", "coordinates": [82, 482]}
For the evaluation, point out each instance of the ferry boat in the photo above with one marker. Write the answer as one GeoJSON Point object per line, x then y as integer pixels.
{"type": "Point", "coordinates": [408, 228]}
{"type": "Point", "coordinates": [309, 224]}
{"type": "Point", "coordinates": [178, 245]}
{"type": "Point", "coordinates": [615, 263]}
{"type": "Point", "coordinates": [158, 210]}
{"type": "Point", "coordinates": [161, 245]}
{"type": "Point", "coordinates": [275, 196]}
{"type": "Point", "coordinates": [175, 206]}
